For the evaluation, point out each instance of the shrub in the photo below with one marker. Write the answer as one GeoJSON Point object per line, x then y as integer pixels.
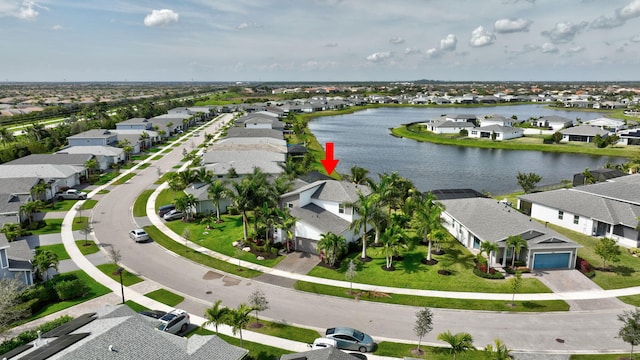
{"type": "Point", "coordinates": [70, 289]}
{"type": "Point", "coordinates": [484, 275]}
{"type": "Point", "coordinates": [583, 265]}
{"type": "Point", "coordinates": [519, 263]}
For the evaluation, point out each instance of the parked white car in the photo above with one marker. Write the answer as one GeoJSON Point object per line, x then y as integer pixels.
{"type": "Point", "coordinates": [174, 322]}
{"type": "Point", "coordinates": [321, 343]}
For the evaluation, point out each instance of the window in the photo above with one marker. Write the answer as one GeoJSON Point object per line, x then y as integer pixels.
{"type": "Point", "coordinates": [4, 261]}
{"type": "Point", "coordinates": [290, 205]}
{"type": "Point", "coordinates": [560, 214]}
{"type": "Point", "coordinates": [576, 219]}
{"type": "Point", "coordinates": [341, 209]}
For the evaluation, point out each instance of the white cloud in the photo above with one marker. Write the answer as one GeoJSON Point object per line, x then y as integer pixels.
{"type": "Point", "coordinates": [396, 40]}
{"type": "Point", "coordinates": [433, 53]}
{"type": "Point", "coordinates": [631, 10]}
{"type": "Point", "coordinates": [564, 32]}
{"type": "Point", "coordinates": [481, 37]}
{"type": "Point", "coordinates": [379, 56]}
{"type": "Point", "coordinates": [28, 11]}
{"type": "Point", "coordinates": [411, 51]}
{"type": "Point", "coordinates": [448, 43]}
{"type": "Point", "coordinates": [549, 48]}
{"type": "Point", "coordinates": [636, 38]}
{"type": "Point", "coordinates": [244, 26]}
{"type": "Point", "coordinates": [575, 49]}
{"type": "Point", "coordinates": [504, 26]}
{"type": "Point", "coordinates": [161, 17]}
{"type": "Point", "coordinates": [603, 22]}
{"type": "Point", "coordinates": [57, 27]}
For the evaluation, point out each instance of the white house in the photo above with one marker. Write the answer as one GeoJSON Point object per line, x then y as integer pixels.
{"type": "Point", "coordinates": [322, 207]}
{"type": "Point", "coordinates": [496, 120]}
{"type": "Point", "coordinates": [582, 133]}
{"type": "Point", "coordinates": [552, 121]}
{"type": "Point", "coordinates": [501, 132]}
{"type": "Point", "coordinates": [475, 220]}
{"type": "Point", "coordinates": [15, 260]}
{"type": "Point", "coordinates": [606, 209]}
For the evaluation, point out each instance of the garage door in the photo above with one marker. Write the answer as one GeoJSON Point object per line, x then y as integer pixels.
{"type": "Point", "coordinates": [551, 261]}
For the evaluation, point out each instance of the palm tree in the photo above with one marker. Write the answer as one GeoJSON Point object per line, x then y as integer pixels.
{"type": "Point", "coordinates": [517, 243]}
{"type": "Point", "coordinates": [358, 175]}
{"type": "Point", "coordinates": [175, 182]}
{"type": "Point", "coordinates": [184, 204]}
{"type": "Point", "coordinates": [333, 246]}
{"type": "Point", "coordinates": [364, 207]}
{"type": "Point", "coordinates": [426, 219]}
{"type": "Point", "coordinates": [392, 240]}
{"type": "Point", "coordinates": [242, 202]}
{"type": "Point", "coordinates": [217, 191]}
{"type": "Point", "coordinates": [460, 342]}
{"type": "Point", "coordinates": [488, 247]}
{"type": "Point", "coordinates": [43, 261]}
{"type": "Point", "coordinates": [6, 136]}
{"type": "Point", "coordinates": [91, 165]}
{"type": "Point", "coordinates": [286, 222]}
{"type": "Point", "coordinates": [499, 351]}
{"type": "Point", "coordinates": [239, 318]}
{"type": "Point", "coordinates": [144, 139]}
{"type": "Point", "coordinates": [29, 208]}
{"type": "Point", "coordinates": [39, 191]}
{"type": "Point", "coordinates": [216, 315]}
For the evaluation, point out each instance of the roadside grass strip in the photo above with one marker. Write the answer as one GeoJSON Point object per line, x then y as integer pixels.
{"type": "Point", "coordinates": [165, 296]}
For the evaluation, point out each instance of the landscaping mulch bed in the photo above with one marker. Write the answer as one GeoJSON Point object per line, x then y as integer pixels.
{"type": "Point", "coordinates": [429, 262]}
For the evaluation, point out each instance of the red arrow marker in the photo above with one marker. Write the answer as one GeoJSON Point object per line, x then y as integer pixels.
{"type": "Point", "coordinates": [329, 162]}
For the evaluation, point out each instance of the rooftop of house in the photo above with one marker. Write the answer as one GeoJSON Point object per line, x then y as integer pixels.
{"type": "Point", "coordinates": [584, 130]}
{"type": "Point", "coordinates": [59, 159]}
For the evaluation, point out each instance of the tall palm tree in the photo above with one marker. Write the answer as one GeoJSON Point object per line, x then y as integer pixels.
{"type": "Point", "coordinates": [184, 204]}
{"type": "Point", "coordinates": [364, 207]}
{"type": "Point", "coordinates": [517, 243]}
{"type": "Point", "coordinates": [239, 318]}
{"type": "Point", "coordinates": [175, 182]}
{"type": "Point", "coordinates": [6, 136]}
{"type": "Point", "coordinates": [333, 246]}
{"type": "Point", "coordinates": [242, 202]}
{"type": "Point", "coordinates": [29, 208]}
{"type": "Point", "coordinates": [358, 175]}
{"type": "Point", "coordinates": [426, 219]}
{"type": "Point", "coordinates": [392, 240]}
{"type": "Point", "coordinates": [217, 191]}
{"type": "Point", "coordinates": [203, 175]}
{"type": "Point", "coordinates": [460, 342]}
{"type": "Point", "coordinates": [488, 248]}
{"type": "Point", "coordinates": [39, 191]}
{"type": "Point", "coordinates": [43, 261]}
{"type": "Point", "coordinates": [216, 315]}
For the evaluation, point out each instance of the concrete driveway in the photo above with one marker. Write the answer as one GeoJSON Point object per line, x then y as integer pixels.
{"type": "Point", "coordinates": [572, 280]}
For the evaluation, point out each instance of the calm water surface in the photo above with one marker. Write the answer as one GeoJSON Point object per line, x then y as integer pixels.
{"type": "Point", "coordinates": [363, 139]}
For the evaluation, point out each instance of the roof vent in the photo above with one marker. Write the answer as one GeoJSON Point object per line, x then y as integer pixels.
{"type": "Point", "coordinates": [112, 349]}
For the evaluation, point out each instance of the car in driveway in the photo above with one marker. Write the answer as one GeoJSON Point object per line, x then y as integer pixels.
{"type": "Point", "coordinates": [138, 235]}
{"type": "Point", "coordinates": [351, 339]}
{"type": "Point", "coordinates": [174, 322]}
{"type": "Point", "coordinates": [321, 343]}
{"type": "Point", "coordinates": [173, 215]}
{"type": "Point", "coordinates": [156, 314]}
{"type": "Point", "coordinates": [165, 209]}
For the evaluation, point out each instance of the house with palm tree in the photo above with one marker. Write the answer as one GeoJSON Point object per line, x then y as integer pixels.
{"type": "Point", "coordinates": [15, 260]}
{"type": "Point", "coordinates": [14, 193]}
{"type": "Point", "coordinates": [321, 207]}
{"type": "Point", "coordinates": [474, 221]}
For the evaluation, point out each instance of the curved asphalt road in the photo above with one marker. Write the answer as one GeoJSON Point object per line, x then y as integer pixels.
{"type": "Point", "coordinates": [588, 332]}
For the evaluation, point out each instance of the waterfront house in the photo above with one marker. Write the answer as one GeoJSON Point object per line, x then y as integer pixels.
{"type": "Point", "coordinates": [500, 132]}
{"type": "Point", "coordinates": [582, 133]}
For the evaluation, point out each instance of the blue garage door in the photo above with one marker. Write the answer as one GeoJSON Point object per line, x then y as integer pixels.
{"type": "Point", "coordinates": [551, 261]}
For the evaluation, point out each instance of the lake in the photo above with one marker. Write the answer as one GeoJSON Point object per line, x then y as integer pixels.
{"type": "Point", "coordinates": [363, 139]}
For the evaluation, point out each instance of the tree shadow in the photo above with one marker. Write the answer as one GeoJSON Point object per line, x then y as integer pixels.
{"type": "Point", "coordinates": [411, 262]}
{"type": "Point", "coordinates": [454, 256]}
{"type": "Point", "coordinates": [623, 270]}
{"type": "Point", "coordinates": [531, 305]}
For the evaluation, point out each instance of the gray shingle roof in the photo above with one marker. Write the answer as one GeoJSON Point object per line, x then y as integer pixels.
{"type": "Point", "coordinates": [320, 219]}
{"type": "Point", "coordinates": [329, 353]}
{"type": "Point", "coordinates": [340, 191]}
{"type": "Point", "coordinates": [59, 159]}
{"type": "Point", "coordinates": [255, 155]}
{"type": "Point", "coordinates": [488, 219]}
{"type": "Point", "coordinates": [584, 130]}
{"type": "Point", "coordinates": [39, 170]}
{"type": "Point", "coordinates": [235, 132]}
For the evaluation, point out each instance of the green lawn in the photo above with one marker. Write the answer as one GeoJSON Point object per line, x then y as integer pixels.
{"type": "Point", "coordinates": [434, 302]}
{"type": "Point", "coordinates": [135, 306]}
{"type": "Point", "coordinates": [411, 273]}
{"type": "Point", "coordinates": [285, 331]}
{"type": "Point", "coordinates": [60, 205]}
{"type": "Point", "coordinates": [79, 223]}
{"type": "Point", "coordinates": [165, 197]}
{"type": "Point", "coordinates": [203, 259]}
{"type": "Point", "coordinates": [220, 237]}
{"type": "Point", "coordinates": [88, 249]}
{"type": "Point", "coordinates": [140, 206]}
{"type": "Point", "coordinates": [398, 350]}
{"type": "Point", "coordinates": [89, 204]}
{"type": "Point", "coordinates": [95, 290]}
{"type": "Point", "coordinates": [58, 249]}
{"type": "Point", "coordinates": [625, 273]}
{"type": "Point", "coordinates": [603, 356]}
{"type": "Point", "coordinates": [165, 296]}
{"type": "Point", "coordinates": [128, 278]}
{"type": "Point", "coordinates": [52, 226]}
{"type": "Point", "coordinates": [124, 179]}
{"type": "Point", "coordinates": [106, 177]}
{"type": "Point", "coordinates": [163, 178]}
{"type": "Point", "coordinates": [256, 351]}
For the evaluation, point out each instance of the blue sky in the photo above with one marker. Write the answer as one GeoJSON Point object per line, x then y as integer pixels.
{"type": "Point", "coordinates": [320, 40]}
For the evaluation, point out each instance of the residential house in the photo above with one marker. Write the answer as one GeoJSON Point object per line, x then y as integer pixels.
{"type": "Point", "coordinates": [598, 175]}
{"type": "Point", "coordinates": [119, 332]}
{"type": "Point", "coordinates": [629, 137]}
{"type": "Point", "coordinates": [58, 175]}
{"type": "Point", "coordinates": [135, 124]}
{"type": "Point", "coordinates": [496, 120]}
{"type": "Point", "coordinates": [582, 133]}
{"type": "Point", "coordinates": [321, 207]}
{"type": "Point", "coordinates": [606, 209]}
{"type": "Point", "coordinates": [500, 132]}
{"type": "Point", "coordinates": [448, 126]}
{"type": "Point", "coordinates": [53, 159]}
{"type": "Point", "coordinates": [94, 137]}
{"type": "Point", "coordinates": [328, 353]}
{"type": "Point", "coordinates": [472, 221]}
{"type": "Point", "coordinates": [15, 192]}
{"type": "Point", "coordinates": [607, 123]}
{"type": "Point", "coordinates": [15, 260]}
{"type": "Point", "coordinates": [552, 121]}
{"type": "Point", "coordinates": [104, 155]}
{"type": "Point", "coordinates": [462, 118]}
